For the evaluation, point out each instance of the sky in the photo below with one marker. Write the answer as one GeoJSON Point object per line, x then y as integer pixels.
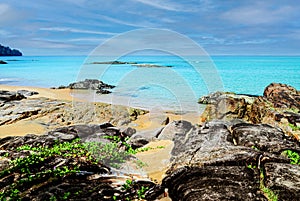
{"type": "Point", "coordinates": [221, 27]}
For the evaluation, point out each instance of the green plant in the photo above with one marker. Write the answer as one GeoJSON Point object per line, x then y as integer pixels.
{"type": "Point", "coordinates": [294, 128]}
{"type": "Point", "coordinates": [141, 192]}
{"type": "Point", "coordinates": [250, 166]}
{"type": "Point", "coordinates": [127, 185]}
{"type": "Point", "coordinates": [293, 156]}
{"type": "Point", "coordinates": [66, 195]}
{"type": "Point", "coordinates": [32, 167]}
{"type": "Point", "coordinates": [268, 192]}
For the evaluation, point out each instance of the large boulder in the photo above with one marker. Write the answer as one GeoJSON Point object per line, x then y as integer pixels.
{"type": "Point", "coordinates": [279, 106]}
{"type": "Point", "coordinates": [223, 160]}
{"type": "Point", "coordinates": [282, 95]}
{"type": "Point", "coordinates": [92, 84]}
{"type": "Point", "coordinates": [10, 96]}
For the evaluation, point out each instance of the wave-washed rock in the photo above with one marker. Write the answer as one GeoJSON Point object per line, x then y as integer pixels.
{"type": "Point", "coordinates": [90, 84]}
{"type": "Point", "coordinates": [151, 66]}
{"type": "Point", "coordinates": [113, 62]}
{"type": "Point", "coordinates": [3, 62]}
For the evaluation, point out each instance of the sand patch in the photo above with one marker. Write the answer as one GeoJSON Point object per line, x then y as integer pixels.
{"type": "Point", "coordinates": [157, 159]}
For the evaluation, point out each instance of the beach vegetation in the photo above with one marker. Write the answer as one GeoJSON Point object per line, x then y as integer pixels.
{"type": "Point", "coordinates": [270, 194]}
{"type": "Point", "coordinates": [293, 156]}
{"type": "Point", "coordinates": [294, 128]}
{"type": "Point", "coordinates": [32, 166]}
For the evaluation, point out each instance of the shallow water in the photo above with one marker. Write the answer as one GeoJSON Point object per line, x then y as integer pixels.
{"type": "Point", "coordinates": [176, 88]}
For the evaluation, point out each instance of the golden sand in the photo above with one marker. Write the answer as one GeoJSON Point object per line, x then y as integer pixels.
{"type": "Point", "coordinates": [59, 94]}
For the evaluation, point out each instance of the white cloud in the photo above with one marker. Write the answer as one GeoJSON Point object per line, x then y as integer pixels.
{"type": "Point", "coordinates": [258, 14]}
{"type": "Point", "coordinates": [165, 5]}
{"type": "Point", "coordinates": [133, 24]}
{"type": "Point", "coordinates": [3, 9]}
{"type": "Point", "coordinates": [67, 29]}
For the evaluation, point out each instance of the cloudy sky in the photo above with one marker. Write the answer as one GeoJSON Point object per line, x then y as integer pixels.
{"type": "Point", "coordinates": [76, 27]}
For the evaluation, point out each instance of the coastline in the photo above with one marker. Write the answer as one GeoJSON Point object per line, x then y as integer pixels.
{"type": "Point", "coordinates": [222, 141]}
{"type": "Point", "coordinates": [148, 121]}
{"type": "Point", "coordinates": [61, 94]}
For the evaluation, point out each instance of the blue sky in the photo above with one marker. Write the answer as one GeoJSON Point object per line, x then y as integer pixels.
{"type": "Point", "coordinates": [76, 27]}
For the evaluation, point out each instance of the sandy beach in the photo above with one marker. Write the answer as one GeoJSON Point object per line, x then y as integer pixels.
{"type": "Point", "coordinates": [148, 121]}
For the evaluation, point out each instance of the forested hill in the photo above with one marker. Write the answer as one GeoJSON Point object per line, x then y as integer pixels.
{"type": "Point", "coordinates": [6, 51]}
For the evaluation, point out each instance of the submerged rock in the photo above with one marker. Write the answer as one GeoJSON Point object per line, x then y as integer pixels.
{"type": "Point", "coordinates": [113, 62]}
{"type": "Point", "coordinates": [151, 66]}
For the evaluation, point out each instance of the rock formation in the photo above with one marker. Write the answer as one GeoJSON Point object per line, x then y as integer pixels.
{"type": "Point", "coordinates": [224, 160]}
{"type": "Point", "coordinates": [90, 84]}
{"type": "Point", "coordinates": [279, 106]}
{"type": "Point", "coordinates": [6, 51]}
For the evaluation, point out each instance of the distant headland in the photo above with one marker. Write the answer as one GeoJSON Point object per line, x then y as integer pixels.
{"type": "Point", "coordinates": [6, 51]}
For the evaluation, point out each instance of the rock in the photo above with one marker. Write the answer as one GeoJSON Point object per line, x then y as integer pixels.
{"type": "Point", "coordinates": [52, 175]}
{"type": "Point", "coordinates": [284, 180]}
{"type": "Point", "coordinates": [151, 66]}
{"type": "Point", "coordinates": [6, 51]}
{"type": "Point", "coordinates": [113, 62]}
{"type": "Point", "coordinates": [128, 131]}
{"type": "Point", "coordinates": [3, 62]}
{"type": "Point", "coordinates": [282, 95]}
{"type": "Point", "coordinates": [213, 183]}
{"type": "Point", "coordinates": [142, 138]}
{"type": "Point", "coordinates": [280, 107]}
{"type": "Point", "coordinates": [166, 121]}
{"type": "Point", "coordinates": [138, 142]}
{"type": "Point", "coordinates": [27, 93]}
{"type": "Point", "coordinates": [211, 162]}
{"type": "Point", "coordinates": [174, 128]}
{"type": "Point", "coordinates": [15, 109]}
{"type": "Point", "coordinates": [93, 84]}
{"type": "Point", "coordinates": [10, 96]}
{"type": "Point", "coordinates": [263, 137]}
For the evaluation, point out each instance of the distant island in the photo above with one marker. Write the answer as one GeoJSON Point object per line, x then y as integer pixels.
{"type": "Point", "coordinates": [6, 51]}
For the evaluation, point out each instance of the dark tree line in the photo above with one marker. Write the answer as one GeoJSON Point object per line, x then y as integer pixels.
{"type": "Point", "coordinates": [6, 51]}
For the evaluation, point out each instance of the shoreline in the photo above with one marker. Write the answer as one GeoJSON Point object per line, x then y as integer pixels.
{"type": "Point", "coordinates": [146, 122]}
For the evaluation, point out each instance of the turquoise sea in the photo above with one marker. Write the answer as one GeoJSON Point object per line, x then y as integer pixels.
{"type": "Point", "coordinates": [177, 87]}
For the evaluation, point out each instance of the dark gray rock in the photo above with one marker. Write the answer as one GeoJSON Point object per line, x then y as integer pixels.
{"type": "Point", "coordinates": [92, 84]}
{"type": "Point", "coordinates": [3, 62]}
{"type": "Point", "coordinates": [210, 162]}
{"type": "Point", "coordinates": [262, 137]}
{"type": "Point", "coordinates": [7, 51]}
{"type": "Point", "coordinates": [142, 138]}
{"type": "Point", "coordinates": [113, 62]}
{"type": "Point", "coordinates": [168, 133]}
{"type": "Point", "coordinates": [284, 180]}
{"type": "Point", "coordinates": [10, 96]}
{"type": "Point", "coordinates": [214, 183]}
{"type": "Point", "coordinates": [27, 93]}
{"type": "Point", "coordinates": [151, 66]}
{"type": "Point", "coordinates": [128, 131]}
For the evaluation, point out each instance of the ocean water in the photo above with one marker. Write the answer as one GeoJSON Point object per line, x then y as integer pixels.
{"type": "Point", "coordinates": [171, 88]}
